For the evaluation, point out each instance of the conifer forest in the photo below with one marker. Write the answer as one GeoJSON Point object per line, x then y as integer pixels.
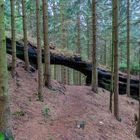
{"type": "Point", "coordinates": [69, 69]}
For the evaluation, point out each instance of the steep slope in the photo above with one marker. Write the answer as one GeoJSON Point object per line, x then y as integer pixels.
{"type": "Point", "coordinates": [66, 105]}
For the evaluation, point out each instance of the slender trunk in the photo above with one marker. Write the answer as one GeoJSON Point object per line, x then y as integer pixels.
{"type": "Point", "coordinates": [54, 13]}
{"type": "Point", "coordinates": [115, 44]}
{"type": "Point", "coordinates": [112, 74]}
{"type": "Point", "coordinates": [26, 57]}
{"type": "Point", "coordinates": [94, 63]}
{"type": "Point", "coordinates": [59, 73]}
{"type": "Point", "coordinates": [39, 52]}
{"type": "Point", "coordinates": [63, 68]}
{"type": "Point", "coordinates": [128, 52]}
{"type": "Point", "coordinates": [5, 125]}
{"type": "Point", "coordinates": [105, 62]}
{"type": "Point", "coordinates": [47, 73]}
{"type": "Point", "coordinates": [78, 43]}
{"type": "Point", "coordinates": [31, 18]}
{"type": "Point", "coordinates": [13, 38]}
{"type": "Point", "coordinates": [88, 40]}
{"type": "Point", "coordinates": [112, 64]}
{"type": "Point", "coordinates": [138, 124]}
{"type": "Point", "coordinates": [75, 82]}
{"type": "Point", "coordinates": [69, 76]}
{"type": "Point", "coordinates": [121, 55]}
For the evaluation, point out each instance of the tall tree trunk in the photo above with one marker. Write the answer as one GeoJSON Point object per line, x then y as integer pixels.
{"type": "Point", "coordinates": [31, 18]}
{"type": "Point", "coordinates": [26, 57]}
{"type": "Point", "coordinates": [78, 42]}
{"type": "Point", "coordinates": [13, 38]}
{"type": "Point", "coordinates": [115, 45]}
{"type": "Point", "coordinates": [63, 68]}
{"type": "Point", "coordinates": [88, 40]}
{"type": "Point", "coordinates": [112, 63]}
{"type": "Point", "coordinates": [47, 72]}
{"type": "Point", "coordinates": [5, 125]}
{"type": "Point", "coordinates": [138, 124]}
{"type": "Point", "coordinates": [94, 63]}
{"type": "Point", "coordinates": [105, 61]}
{"type": "Point", "coordinates": [128, 52]}
{"type": "Point", "coordinates": [112, 73]}
{"type": "Point", "coordinates": [39, 52]}
{"type": "Point", "coordinates": [54, 13]}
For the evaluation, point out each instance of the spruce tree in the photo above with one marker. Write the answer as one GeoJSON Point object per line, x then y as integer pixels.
{"type": "Point", "coordinates": [94, 62]}
{"type": "Point", "coordinates": [115, 45]}
{"type": "Point", "coordinates": [47, 72]}
{"type": "Point", "coordinates": [39, 52]}
{"type": "Point", "coordinates": [26, 57]}
{"type": "Point", "coordinates": [13, 31]}
{"type": "Point", "coordinates": [5, 125]}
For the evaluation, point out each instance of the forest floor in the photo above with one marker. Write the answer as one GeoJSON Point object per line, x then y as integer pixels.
{"type": "Point", "coordinates": [56, 117]}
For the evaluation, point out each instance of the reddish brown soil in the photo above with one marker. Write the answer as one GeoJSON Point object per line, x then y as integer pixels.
{"type": "Point", "coordinates": [77, 103]}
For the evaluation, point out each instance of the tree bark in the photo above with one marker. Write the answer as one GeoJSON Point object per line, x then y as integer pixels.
{"type": "Point", "coordinates": [112, 65]}
{"type": "Point", "coordinates": [63, 69]}
{"type": "Point", "coordinates": [39, 52]}
{"type": "Point", "coordinates": [88, 40]}
{"type": "Point", "coordinates": [5, 115]}
{"type": "Point", "coordinates": [47, 72]}
{"type": "Point", "coordinates": [138, 124]}
{"type": "Point", "coordinates": [105, 48]}
{"type": "Point", "coordinates": [94, 63]}
{"type": "Point", "coordinates": [54, 13]}
{"type": "Point", "coordinates": [13, 38]}
{"type": "Point", "coordinates": [78, 42]}
{"type": "Point", "coordinates": [26, 57]}
{"type": "Point", "coordinates": [128, 51]}
{"type": "Point", "coordinates": [115, 45]}
{"type": "Point", "coordinates": [31, 18]}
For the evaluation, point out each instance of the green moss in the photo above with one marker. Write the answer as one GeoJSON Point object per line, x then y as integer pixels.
{"type": "Point", "coordinates": [2, 137]}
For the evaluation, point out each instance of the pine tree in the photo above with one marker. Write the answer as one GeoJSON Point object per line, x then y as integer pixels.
{"type": "Point", "coordinates": [5, 125]}
{"type": "Point", "coordinates": [105, 50]}
{"type": "Point", "coordinates": [39, 52]}
{"type": "Point", "coordinates": [78, 41]}
{"type": "Point", "coordinates": [94, 63]}
{"type": "Point", "coordinates": [128, 51]}
{"type": "Point", "coordinates": [112, 64]}
{"type": "Point", "coordinates": [31, 18]}
{"type": "Point", "coordinates": [112, 74]}
{"type": "Point", "coordinates": [26, 57]}
{"type": "Point", "coordinates": [88, 40]}
{"type": "Point", "coordinates": [88, 32]}
{"type": "Point", "coordinates": [63, 68]}
{"type": "Point", "coordinates": [54, 24]}
{"type": "Point", "coordinates": [138, 124]}
{"type": "Point", "coordinates": [115, 45]}
{"type": "Point", "coordinates": [13, 38]}
{"type": "Point", "coordinates": [47, 73]}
